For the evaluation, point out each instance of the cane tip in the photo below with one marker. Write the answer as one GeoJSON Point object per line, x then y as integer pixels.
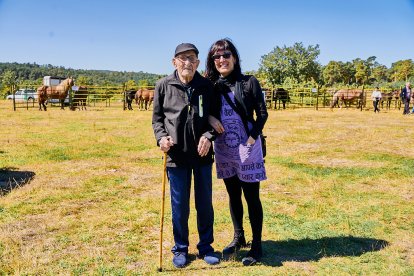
{"type": "Point", "coordinates": [159, 269]}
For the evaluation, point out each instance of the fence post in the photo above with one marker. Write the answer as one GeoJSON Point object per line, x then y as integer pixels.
{"type": "Point", "coordinates": [14, 100]}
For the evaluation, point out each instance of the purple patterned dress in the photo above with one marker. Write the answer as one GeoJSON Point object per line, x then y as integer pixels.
{"type": "Point", "coordinates": [233, 156]}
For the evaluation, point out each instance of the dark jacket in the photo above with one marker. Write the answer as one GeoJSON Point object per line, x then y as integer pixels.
{"type": "Point", "coordinates": [176, 116]}
{"type": "Point", "coordinates": [404, 93]}
{"type": "Point", "coordinates": [251, 101]}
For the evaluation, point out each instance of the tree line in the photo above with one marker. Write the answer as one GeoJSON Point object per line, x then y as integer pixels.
{"type": "Point", "coordinates": [298, 65]}
{"type": "Point", "coordinates": [21, 74]}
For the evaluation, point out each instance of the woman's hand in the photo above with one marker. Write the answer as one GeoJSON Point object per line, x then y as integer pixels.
{"type": "Point", "coordinates": [250, 141]}
{"type": "Point", "coordinates": [216, 124]}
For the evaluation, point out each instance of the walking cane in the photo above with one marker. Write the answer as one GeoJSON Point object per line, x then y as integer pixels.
{"type": "Point", "coordinates": [164, 179]}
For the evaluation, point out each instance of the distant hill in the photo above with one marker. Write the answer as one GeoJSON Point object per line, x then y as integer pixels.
{"type": "Point", "coordinates": [32, 72]}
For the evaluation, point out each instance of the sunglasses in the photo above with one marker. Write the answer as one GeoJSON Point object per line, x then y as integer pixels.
{"type": "Point", "coordinates": [226, 55]}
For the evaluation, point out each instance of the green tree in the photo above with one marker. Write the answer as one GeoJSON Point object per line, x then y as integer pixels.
{"type": "Point", "coordinates": [380, 73]}
{"type": "Point", "coordinates": [130, 84]}
{"type": "Point", "coordinates": [143, 83]}
{"type": "Point", "coordinates": [332, 73]}
{"type": "Point", "coordinates": [361, 71]}
{"type": "Point", "coordinates": [83, 80]}
{"type": "Point", "coordinates": [295, 64]}
{"type": "Point", "coordinates": [402, 70]}
{"type": "Point", "coordinates": [9, 81]}
{"type": "Point", "coordinates": [347, 72]}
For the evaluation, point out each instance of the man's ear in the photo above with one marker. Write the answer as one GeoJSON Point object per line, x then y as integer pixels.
{"type": "Point", "coordinates": [173, 63]}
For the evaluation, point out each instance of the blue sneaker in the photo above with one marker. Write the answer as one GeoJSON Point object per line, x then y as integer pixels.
{"type": "Point", "coordinates": [179, 259]}
{"type": "Point", "coordinates": [211, 258]}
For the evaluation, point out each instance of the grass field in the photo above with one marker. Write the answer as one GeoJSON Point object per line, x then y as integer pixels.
{"type": "Point", "coordinates": [81, 195]}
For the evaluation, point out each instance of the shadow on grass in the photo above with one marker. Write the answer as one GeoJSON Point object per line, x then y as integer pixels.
{"type": "Point", "coordinates": [11, 179]}
{"type": "Point", "coordinates": [277, 252]}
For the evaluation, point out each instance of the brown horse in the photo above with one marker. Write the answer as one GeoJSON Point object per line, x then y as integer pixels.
{"type": "Point", "coordinates": [79, 98]}
{"type": "Point", "coordinates": [144, 97]}
{"type": "Point", "coordinates": [347, 97]}
{"type": "Point", "coordinates": [54, 92]}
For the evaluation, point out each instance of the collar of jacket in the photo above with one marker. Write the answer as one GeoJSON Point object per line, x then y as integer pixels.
{"type": "Point", "coordinates": [194, 83]}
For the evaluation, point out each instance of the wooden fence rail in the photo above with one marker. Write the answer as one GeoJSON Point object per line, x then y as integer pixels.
{"type": "Point", "coordinates": [299, 97]}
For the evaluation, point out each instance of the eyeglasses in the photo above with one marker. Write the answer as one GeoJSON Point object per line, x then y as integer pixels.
{"type": "Point", "coordinates": [191, 59]}
{"type": "Point", "coordinates": [226, 55]}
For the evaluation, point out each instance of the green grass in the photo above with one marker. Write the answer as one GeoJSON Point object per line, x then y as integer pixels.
{"type": "Point", "coordinates": [85, 199]}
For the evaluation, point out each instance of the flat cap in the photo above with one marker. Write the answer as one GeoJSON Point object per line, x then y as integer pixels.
{"type": "Point", "coordinates": [183, 47]}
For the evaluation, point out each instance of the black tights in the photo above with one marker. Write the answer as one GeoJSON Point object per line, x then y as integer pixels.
{"type": "Point", "coordinates": [234, 188]}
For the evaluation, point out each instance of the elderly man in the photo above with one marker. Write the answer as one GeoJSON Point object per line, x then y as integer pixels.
{"type": "Point", "coordinates": [406, 94]}
{"type": "Point", "coordinates": [181, 128]}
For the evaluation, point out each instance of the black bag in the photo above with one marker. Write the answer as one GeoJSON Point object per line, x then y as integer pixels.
{"type": "Point", "coordinates": [263, 140]}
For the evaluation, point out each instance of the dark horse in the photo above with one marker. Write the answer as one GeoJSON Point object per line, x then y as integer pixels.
{"type": "Point", "coordinates": [54, 92]}
{"type": "Point", "coordinates": [281, 95]}
{"type": "Point", "coordinates": [129, 97]}
{"type": "Point", "coordinates": [79, 98]}
{"type": "Point", "coordinates": [388, 97]}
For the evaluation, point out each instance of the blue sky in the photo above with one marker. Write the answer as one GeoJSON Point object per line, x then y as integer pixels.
{"type": "Point", "coordinates": [135, 35]}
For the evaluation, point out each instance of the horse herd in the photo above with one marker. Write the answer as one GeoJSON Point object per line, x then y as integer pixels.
{"type": "Point", "coordinates": [349, 96]}
{"type": "Point", "coordinates": [143, 97]}
{"type": "Point", "coordinates": [344, 97]}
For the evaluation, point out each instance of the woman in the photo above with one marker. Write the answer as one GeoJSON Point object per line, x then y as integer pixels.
{"type": "Point", "coordinates": [376, 98]}
{"type": "Point", "coordinates": [238, 149]}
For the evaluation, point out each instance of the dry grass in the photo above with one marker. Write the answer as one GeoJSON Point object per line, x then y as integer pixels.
{"type": "Point", "coordinates": [338, 199]}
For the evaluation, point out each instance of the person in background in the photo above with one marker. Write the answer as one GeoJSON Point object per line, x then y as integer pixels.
{"type": "Point", "coordinates": [376, 98]}
{"type": "Point", "coordinates": [406, 94]}
{"type": "Point", "coordinates": [182, 130]}
{"type": "Point", "coordinates": [238, 149]}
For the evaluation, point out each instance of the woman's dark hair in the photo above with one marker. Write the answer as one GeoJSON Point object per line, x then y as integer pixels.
{"type": "Point", "coordinates": [222, 44]}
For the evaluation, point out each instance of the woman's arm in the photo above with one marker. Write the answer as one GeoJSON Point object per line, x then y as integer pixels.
{"type": "Point", "coordinates": [259, 106]}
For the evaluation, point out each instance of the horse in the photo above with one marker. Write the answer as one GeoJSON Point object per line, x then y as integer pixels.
{"type": "Point", "coordinates": [144, 97]}
{"type": "Point", "coordinates": [79, 98]}
{"type": "Point", "coordinates": [54, 92]}
{"type": "Point", "coordinates": [129, 97]}
{"type": "Point", "coordinates": [347, 97]}
{"type": "Point", "coordinates": [281, 95]}
{"type": "Point", "coordinates": [388, 97]}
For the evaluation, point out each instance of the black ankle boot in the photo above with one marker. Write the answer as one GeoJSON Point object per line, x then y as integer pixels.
{"type": "Point", "coordinates": [237, 242]}
{"type": "Point", "coordinates": [254, 255]}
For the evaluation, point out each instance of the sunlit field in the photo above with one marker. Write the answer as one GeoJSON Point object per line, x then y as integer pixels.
{"type": "Point", "coordinates": [81, 194]}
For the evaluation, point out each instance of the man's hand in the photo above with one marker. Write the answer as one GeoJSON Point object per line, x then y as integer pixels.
{"type": "Point", "coordinates": [203, 146]}
{"type": "Point", "coordinates": [165, 143]}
